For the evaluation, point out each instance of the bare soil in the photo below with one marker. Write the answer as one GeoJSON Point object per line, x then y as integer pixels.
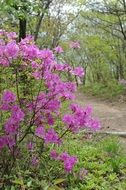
{"type": "Point", "coordinates": [112, 115]}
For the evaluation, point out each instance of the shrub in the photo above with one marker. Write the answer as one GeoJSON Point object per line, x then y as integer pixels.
{"type": "Point", "coordinates": [33, 91]}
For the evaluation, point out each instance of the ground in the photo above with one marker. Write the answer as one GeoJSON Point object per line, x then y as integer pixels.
{"type": "Point", "coordinates": [111, 114]}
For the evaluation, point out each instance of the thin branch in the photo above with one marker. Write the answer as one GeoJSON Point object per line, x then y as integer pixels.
{"type": "Point", "coordinates": [42, 14]}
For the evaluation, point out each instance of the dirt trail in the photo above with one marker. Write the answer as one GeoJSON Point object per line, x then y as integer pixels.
{"type": "Point", "coordinates": [111, 115]}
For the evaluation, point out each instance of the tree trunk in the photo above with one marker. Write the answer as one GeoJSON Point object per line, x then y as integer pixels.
{"type": "Point", "coordinates": [22, 29]}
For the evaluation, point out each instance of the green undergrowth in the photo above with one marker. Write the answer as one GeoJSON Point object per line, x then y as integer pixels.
{"type": "Point", "coordinates": [101, 158]}
{"type": "Point", "coordinates": [104, 161]}
{"type": "Point", "coordinates": [110, 91]}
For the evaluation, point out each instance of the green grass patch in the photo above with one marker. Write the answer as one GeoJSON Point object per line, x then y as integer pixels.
{"type": "Point", "coordinates": [103, 160]}
{"type": "Point", "coordinates": [101, 165]}
{"type": "Point", "coordinates": [106, 91]}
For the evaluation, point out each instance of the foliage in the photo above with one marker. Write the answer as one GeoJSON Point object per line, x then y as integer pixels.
{"type": "Point", "coordinates": [100, 29]}
{"type": "Point", "coordinates": [32, 122]}
{"type": "Point", "coordinates": [40, 143]}
{"type": "Point", "coordinates": [45, 24]}
{"type": "Point", "coordinates": [111, 91]}
{"type": "Point", "coordinates": [101, 166]}
{"type": "Point", "coordinates": [104, 162]}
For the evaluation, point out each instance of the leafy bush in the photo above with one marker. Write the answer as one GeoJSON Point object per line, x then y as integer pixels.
{"type": "Point", "coordinates": [32, 124]}
{"type": "Point", "coordinates": [103, 164]}
{"type": "Point", "coordinates": [95, 169]}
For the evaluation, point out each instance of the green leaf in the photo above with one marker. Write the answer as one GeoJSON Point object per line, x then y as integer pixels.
{"type": "Point", "coordinates": [9, 2]}
{"type": "Point", "coordinates": [18, 182]}
{"type": "Point", "coordinates": [55, 188]}
{"type": "Point", "coordinates": [58, 181]}
{"type": "Point", "coordinates": [12, 188]}
{"type": "Point", "coordinates": [29, 183]}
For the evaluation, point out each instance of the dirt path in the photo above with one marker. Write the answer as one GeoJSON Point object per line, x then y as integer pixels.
{"type": "Point", "coordinates": [111, 115]}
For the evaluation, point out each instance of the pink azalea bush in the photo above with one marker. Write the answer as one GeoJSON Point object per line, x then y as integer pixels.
{"type": "Point", "coordinates": [58, 49]}
{"type": "Point", "coordinates": [33, 104]}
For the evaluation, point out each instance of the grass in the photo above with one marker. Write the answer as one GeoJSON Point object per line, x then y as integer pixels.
{"type": "Point", "coordinates": [111, 91]}
{"type": "Point", "coordinates": [101, 157]}
{"type": "Point", "coordinates": [104, 161]}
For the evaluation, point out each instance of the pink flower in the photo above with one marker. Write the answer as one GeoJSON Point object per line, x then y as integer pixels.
{"type": "Point", "coordinates": [78, 71]}
{"type": "Point", "coordinates": [50, 119]}
{"type": "Point", "coordinates": [40, 132]}
{"type": "Point", "coordinates": [52, 137]}
{"type": "Point", "coordinates": [11, 50]}
{"type": "Point", "coordinates": [58, 49]}
{"type": "Point", "coordinates": [34, 65]}
{"type": "Point", "coordinates": [30, 146]}
{"type": "Point", "coordinates": [46, 54]}
{"type": "Point", "coordinates": [37, 75]}
{"type": "Point", "coordinates": [13, 122]}
{"type": "Point", "coordinates": [67, 67]}
{"type": "Point", "coordinates": [11, 126]}
{"type": "Point", "coordinates": [68, 96]}
{"type": "Point", "coordinates": [94, 124]}
{"type": "Point", "coordinates": [31, 51]}
{"type": "Point", "coordinates": [69, 161]}
{"type": "Point", "coordinates": [83, 173]}
{"type": "Point", "coordinates": [7, 140]}
{"type": "Point", "coordinates": [54, 154]}
{"type": "Point", "coordinates": [2, 32]}
{"type": "Point", "coordinates": [75, 45]}
{"type": "Point", "coordinates": [4, 62]}
{"type": "Point", "coordinates": [1, 49]}
{"type": "Point", "coordinates": [10, 141]}
{"type": "Point", "coordinates": [63, 156]}
{"type": "Point", "coordinates": [74, 107]}
{"type": "Point", "coordinates": [8, 97]}
{"type": "Point", "coordinates": [3, 142]}
{"type": "Point", "coordinates": [2, 43]}
{"type": "Point", "coordinates": [35, 161]}
{"type": "Point", "coordinates": [68, 119]}
{"type": "Point", "coordinates": [11, 35]}
{"type": "Point", "coordinates": [53, 105]}
{"type": "Point", "coordinates": [17, 113]}
{"type": "Point", "coordinates": [59, 67]}
{"type": "Point", "coordinates": [80, 118]}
